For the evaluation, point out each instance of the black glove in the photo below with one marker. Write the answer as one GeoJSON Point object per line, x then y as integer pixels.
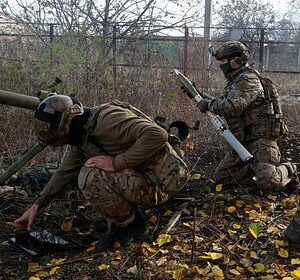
{"type": "Point", "coordinates": [203, 105]}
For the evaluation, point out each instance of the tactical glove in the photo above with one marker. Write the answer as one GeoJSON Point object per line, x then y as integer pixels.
{"type": "Point", "coordinates": [203, 105]}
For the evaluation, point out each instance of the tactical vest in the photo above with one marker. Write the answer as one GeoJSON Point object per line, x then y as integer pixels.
{"type": "Point", "coordinates": [263, 118]}
{"type": "Point", "coordinates": [275, 126]}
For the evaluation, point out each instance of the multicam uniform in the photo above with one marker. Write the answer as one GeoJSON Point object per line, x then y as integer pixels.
{"type": "Point", "coordinates": [148, 171]}
{"type": "Point", "coordinates": [246, 111]}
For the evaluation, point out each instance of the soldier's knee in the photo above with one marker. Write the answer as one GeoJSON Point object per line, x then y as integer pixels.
{"type": "Point", "coordinates": [269, 180]}
{"type": "Point", "coordinates": [91, 180]}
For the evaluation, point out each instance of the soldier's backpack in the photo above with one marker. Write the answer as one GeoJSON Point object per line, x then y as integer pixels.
{"type": "Point", "coordinates": [276, 125]}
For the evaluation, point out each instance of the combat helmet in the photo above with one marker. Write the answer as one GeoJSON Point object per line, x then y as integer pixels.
{"type": "Point", "coordinates": [52, 118]}
{"type": "Point", "coordinates": [233, 49]}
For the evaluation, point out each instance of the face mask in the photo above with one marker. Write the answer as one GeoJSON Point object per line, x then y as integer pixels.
{"type": "Point", "coordinates": [226, 68]}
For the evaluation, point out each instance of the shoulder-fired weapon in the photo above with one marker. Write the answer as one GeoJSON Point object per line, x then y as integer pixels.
{"type": "Point", "coordinates": [217, 121]}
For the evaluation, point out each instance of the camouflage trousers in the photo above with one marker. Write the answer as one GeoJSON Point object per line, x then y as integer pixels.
{"type": "Point", "coordinates": [265, 168]}
{"type": "Point", "coordinates": [115, 195]}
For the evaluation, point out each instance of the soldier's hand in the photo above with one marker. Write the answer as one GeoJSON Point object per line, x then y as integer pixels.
{"type": "Point", "coordinates": [203, 105]}
{"type": "Point", "coordinates": [101, 162]}
{"type": "Point", "coordinates": [28, 217]}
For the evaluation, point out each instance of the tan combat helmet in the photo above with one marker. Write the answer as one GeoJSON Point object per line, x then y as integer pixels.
{"type": "Point", "coordinates": [232, 49]}
{"type": "Point", "coordinates": [52, 118]}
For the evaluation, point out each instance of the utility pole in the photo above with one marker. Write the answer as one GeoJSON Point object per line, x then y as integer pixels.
{"type": "Point", "coordinates": [207, 38]}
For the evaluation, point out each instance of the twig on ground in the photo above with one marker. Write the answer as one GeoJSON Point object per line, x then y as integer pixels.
{"type": "Point", "coordinates": [175, 218]}
{"type": "Point", "coordinates": [194, 234]}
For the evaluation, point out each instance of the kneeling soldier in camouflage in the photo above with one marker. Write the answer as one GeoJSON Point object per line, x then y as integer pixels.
{"type": "Point", "coordinates": [250, 105]}
{"type": "Point", "coordinates": [120, 157]}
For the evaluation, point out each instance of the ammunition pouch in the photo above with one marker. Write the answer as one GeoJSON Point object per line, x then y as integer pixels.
{"type": "Point", "coordinates": [270, 128]}
{"type": "Point", "coordinates": [165, 170]}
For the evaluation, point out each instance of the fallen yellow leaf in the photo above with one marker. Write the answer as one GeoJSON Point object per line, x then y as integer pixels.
{"type": "Point", "coordinates": [239, 203]}
{"type": "Point", "coordinates": [234, 272]}
{"type": "Point", "coordinates": [168, 213]}
{"type": "Point", "coordinates": [196, 176]}
{"type": "Point", "coordinates": [148, 248]}
{"type": "Point", "coordinates": [272, 229]}
{"type": "Point", "coordinates": [187, 225]}
{"type": "Point", "coordinates": [57, 262]}
{"type": "Point", "coordinates": [33, 267]}
{"type": "Point", "coordinates": [259, 267]}
{"type": "Point", "coordinates": [219, 187]}
{"type": "Point", "coordinates": [103, 266]}
{"type": "Point", "coordinates": [205, 257]}
{"type": "Point", "coordinates": [196, 269]}
{"type": "Point", "coordinates": [279, 243]}
{"type": "Point", "coordinates": [116, 245]}
{"type": "Point", "coordinates": [283, 253]}
{"type": "Point", "coordinates": [53, 270]}
{"type": "Point", "coordinates": [231, 209]}
{"type": "Point", "coordinates": [253, 255]}
{"type": "Point", "coordinates": [296, 274]}
{"type": "Point", "coordinates": [295, 261]}
{"type": "Point", "coordinates": [132, 270]}
{"type": "Point", "coordinates": [163, 239]}
{"type": "Point", "coordinates": [215, 256]}
{"type": "Point", "coordinates": [161, 261]}
{"type": "Point", "coordinates": [217, 271]}
{"type": "Point", "coordinates": [236, 226]}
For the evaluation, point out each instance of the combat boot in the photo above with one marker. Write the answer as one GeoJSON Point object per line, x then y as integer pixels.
{"type": "Point", "coordinates": [292, 232]}
{"type": "Point", "coordinates": [293, 185]}
{"type": "Point", "coordinates": [136, 230]}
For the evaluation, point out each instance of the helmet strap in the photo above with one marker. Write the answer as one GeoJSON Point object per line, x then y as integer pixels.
{"type": "Point", "coordinates": [77, 131]}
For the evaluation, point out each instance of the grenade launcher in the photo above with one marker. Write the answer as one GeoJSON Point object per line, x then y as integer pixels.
{"type": "Point", "coordinates": [217, 121]}
{"type": "Point", "coordinates": [27, 102]}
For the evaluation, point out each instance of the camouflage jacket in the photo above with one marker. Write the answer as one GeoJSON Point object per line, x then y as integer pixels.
{"type": "Point", "coordinates": [133, 141]}
{"type": "Point", "coordinates": [242, 104]}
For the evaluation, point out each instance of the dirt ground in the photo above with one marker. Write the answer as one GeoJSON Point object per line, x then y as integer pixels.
{"type": "Point", "coordinates": [231, 232]}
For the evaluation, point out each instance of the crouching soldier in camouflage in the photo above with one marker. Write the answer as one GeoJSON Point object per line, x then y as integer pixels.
{"type": "Point", "coordinates": [250, 105]}
{"type": "Point", "coordinates": [119, 156]}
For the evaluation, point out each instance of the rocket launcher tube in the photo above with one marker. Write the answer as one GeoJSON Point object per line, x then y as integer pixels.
{"type": "Point", "coordinates": [19, 100]}
{"type": "Point", "coordinates": [216, 119]}
{"type": "Point", "coordinates": [28, 155]}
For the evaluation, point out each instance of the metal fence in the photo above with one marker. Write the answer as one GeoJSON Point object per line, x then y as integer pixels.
{"type": "Point", "coordinates": [274, 50]}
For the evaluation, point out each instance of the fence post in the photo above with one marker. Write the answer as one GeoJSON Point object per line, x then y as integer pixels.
{"type": "Point", "coordinates": [261, 50]}
{"type": "Point", "coordinates": [186, 46]}
{"type": "Point", "coordinates": [114, 45]}
{"type": "Point", "coordinates": [51, 39]}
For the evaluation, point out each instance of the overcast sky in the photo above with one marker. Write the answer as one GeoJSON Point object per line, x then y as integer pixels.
{"type": "Point", "coordinates": [279, 5]}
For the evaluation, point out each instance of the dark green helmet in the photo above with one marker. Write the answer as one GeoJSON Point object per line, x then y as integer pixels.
{"type": "Point", "coordinates": [233, 49]}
